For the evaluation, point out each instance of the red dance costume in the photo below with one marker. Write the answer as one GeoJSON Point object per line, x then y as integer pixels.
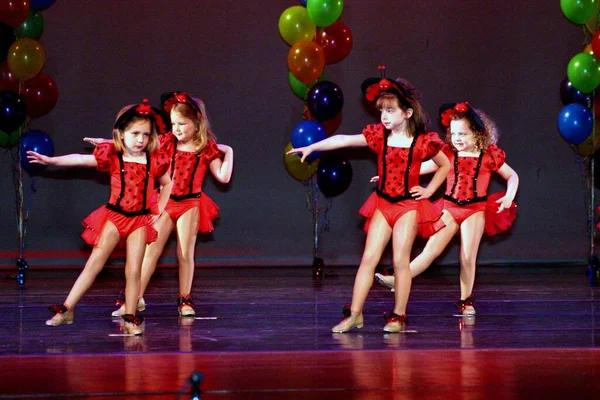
{"type": "Point", "coordinates": [398, 169]}
{"type": "Point", "coordinates": [131, 200]}
{"type": "Point", "coordinates": [466, 189]}
{"type": "Point", "coordinates": [188, 170]}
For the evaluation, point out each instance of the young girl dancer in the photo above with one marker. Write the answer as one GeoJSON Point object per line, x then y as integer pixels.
{"type": "Point", "coordinates": [134, 166]}
{"type": "Point", "coordinates": [192, 150]}
{"type": "Point", "coordinates": [474, 155]}
{"type": "Point", "coordinates": [399, 208]}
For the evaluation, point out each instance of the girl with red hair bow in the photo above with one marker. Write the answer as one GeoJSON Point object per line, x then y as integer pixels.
{"type": "Point", "coordinates": [134, 163]}
{"type": "Point", "coordinates": [399, 209]}
{"type": "Point", "coordinates": [471, 138]}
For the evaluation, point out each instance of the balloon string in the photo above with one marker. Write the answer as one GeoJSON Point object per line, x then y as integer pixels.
{"type": "Point", "coordinates": [32, 190]}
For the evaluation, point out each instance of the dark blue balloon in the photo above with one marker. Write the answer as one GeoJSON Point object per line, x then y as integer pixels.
{"type": "Point", "coordinates": [39, 142]}
{"type": "Point", "coordinates": [12, 111]}
{"type": "Point", "coordinates": [40, 5]}
{"type": "Point", "coordinates": [575, 123]}
{"type": "Point", "coordinates": [568, 94]}
{"type": "Point", "coordinates": [324, 100]}
{"type": "Point", "coordinates": [303, 2]}
{"type": "Point", "coordinates": [333, 176]}
{"type": "Point", "coordinates": [307, 133]}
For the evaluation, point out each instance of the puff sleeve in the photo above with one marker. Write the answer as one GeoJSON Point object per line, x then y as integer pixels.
{"type": "Point", "coordinates": [430, 144]}
{"type": "Point", "coordinates": [374, 134]}
{"type": "Point", "coordinates": [497, 157]}
{"type": "Point", "coordinates": [104, 154]}
{"type": "Point", "coordinates": [211, 151]}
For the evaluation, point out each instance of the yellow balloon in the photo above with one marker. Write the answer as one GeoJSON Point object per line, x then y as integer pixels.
{"type": "Point", "coordinates": [298, 170]}
{"type": "Point", "coordinates": [591, 23]}
{"type": "Point", "coordinates": [591, 144]}
{"type": "Point", "coordinates": [296, 25]}
{"type": "Point", "coordinates": [26, 58]}
{"type": "Point", "coordinates": [588, 49]}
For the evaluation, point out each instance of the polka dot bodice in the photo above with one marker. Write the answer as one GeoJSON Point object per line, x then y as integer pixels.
{"type": "Point", "coordinates": [131, 183]}
{"type": "Point", "coordinates": [188, 169]}
{"type": "Point", "coordinates": [469, 177]}
{"type": "Point", "coordinates": [398, 167]}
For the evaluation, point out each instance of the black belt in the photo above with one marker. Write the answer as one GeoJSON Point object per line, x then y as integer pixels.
{"type": "Point", "coordinates": [465, 202]}
{"type": "Point", "coordinates": [185, 196]}
{"type": "Point", "coordinates": [119, 210]}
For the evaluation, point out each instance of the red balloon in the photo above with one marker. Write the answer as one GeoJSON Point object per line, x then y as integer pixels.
{"type": "Point", "coordinates": [596, 43]}
{"type": "Point", "coordinates": [330, 126]}
{"type": "Point", "coordinates": [40, 94]}
{"type": "Point", "coordinates": [14, 12]}
{"type": "Point", "coordinates": [336, 41]}
{"type": "Point", "coordinates": [7, 80]}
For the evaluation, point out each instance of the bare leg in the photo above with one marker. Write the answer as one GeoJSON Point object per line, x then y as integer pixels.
{"type": "Point", "coordinates": [106, 244]}
{"type": "Point", "coordinates": [471, 231]}
{"type": "Point", "coordinates": [187, 231]}
{"type": "Point", "coordinates": [405, 231]}
{"type": "Point", "coordinates": [163, 226]}
{"type": "Point", "coordinates": [435, 245]}
{"type": "Point", "coordinates": [136, 244]}
{"type": "Point", "coordinates": [377, 239]}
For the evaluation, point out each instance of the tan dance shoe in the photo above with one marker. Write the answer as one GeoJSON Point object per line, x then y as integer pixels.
{"type": "Point", "coordinates": [349, 321]}
{"type": "Point", "coordinates": [62, 315]}
{"type": "Point", "coordinates": [121, 311]}
{"type": "Point", "coordinates": [466, 306]}
{"type": "Point", "coordinates": [185, 306]}
{"type": "Point", "coordinates": [395, 323]}
{"type": "Point", "coordinates": [133, 324]}
{"type": "Point", "coordinates": [386, 281]}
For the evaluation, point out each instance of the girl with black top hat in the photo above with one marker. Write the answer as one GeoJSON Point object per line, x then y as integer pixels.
{"type": "Point", "coordinates": [471, 147]}
{"type": "Point", "coordinates": [134, 163]}
{"type": "Point", "coordinates": [399, 209]}
{"type": "Point", "coordinates": [192, 151]}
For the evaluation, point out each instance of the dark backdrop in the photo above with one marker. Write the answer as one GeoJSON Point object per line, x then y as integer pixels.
{"type": "Point", "coordinates": [507, 58]}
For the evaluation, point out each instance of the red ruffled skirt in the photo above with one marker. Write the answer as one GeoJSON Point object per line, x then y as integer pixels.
{"type": "Point", "coordinates": [429, 215]}
{"type": "Point", "coordinates": [94, 223]}
{"type": "Point", "coordinates": [208, 211]}
{"type": "Point", "coordinates": [495, 222]}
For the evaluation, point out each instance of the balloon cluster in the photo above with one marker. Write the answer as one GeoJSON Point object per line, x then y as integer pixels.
{"type": "Point", "coordinates": [576, 118]}
{"type": "Point", "coordinates": [25, 91]}
{"type": "Point", "coordinates": [316, 38]}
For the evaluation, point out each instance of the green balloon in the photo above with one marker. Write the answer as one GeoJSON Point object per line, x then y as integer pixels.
{"type": "Point", "coordinates": [326, 12]}
{"type": "Point", "coordinates": [301, 89]}
{"type": "Point", "coordinates": [583, 72]}
{"type": "Point", "coordinates": [4, 140]}
{"type": "Point", "coordinates": [578, 11]}
{"type": "Point", "coordinates": [32, 27]}
{"type": "Point", "coordinates": [15, 136]}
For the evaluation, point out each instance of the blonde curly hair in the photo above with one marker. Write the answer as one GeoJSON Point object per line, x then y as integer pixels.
{"type": "Point", "coordinates": [483, 138]}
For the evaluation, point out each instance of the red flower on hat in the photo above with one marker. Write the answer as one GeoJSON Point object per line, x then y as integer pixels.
{"type": "Point", "coordinates": [462, 107]}
{"type": "Point", "coordinates": [144, 108]}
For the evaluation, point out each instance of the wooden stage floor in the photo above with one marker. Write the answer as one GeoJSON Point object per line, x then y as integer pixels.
{"type": "Point", "coordinates": [265, 333]}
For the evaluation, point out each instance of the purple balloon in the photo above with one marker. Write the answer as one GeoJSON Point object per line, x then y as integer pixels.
{"type": "Point", "coordinates": [325, 100]}
{"type": "Point", "coordinates": [333, 176]}
{"type": "Point", "coordinates": [12, 110]}
{"type": "Point", "coordinates": [40, 5]}
{"type": "Point", "coordinates": [569, 94]}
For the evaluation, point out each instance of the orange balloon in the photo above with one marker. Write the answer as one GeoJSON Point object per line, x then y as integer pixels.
{"type": "Point", "coordinates": [26, 58]}
{"type": "Point", "coordinates": [306, 61]}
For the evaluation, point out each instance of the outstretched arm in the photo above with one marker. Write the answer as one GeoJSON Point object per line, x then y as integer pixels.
{"type": "Point", "coordinates": [512, 185]}
{"type": "Point", "coordinates": [96, 141]}
{"type": "Point", "coordinates": [443, 166]}
{"type": "Point", "coordinates": [69, 160]}
{"type": "Point", "coordinates": [331, 143]}
{"type": "Point", "coordinates": [222, 169]}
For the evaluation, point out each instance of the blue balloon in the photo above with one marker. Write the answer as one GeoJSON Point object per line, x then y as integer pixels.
{"type": "Point", "coordinates": [333, 176]}
{"type": "Point", "coordinates": [303, 2]}
{"type": "Point", "coordinates": [307, 133]}
{"type": "Point", "coordinates": [575, 123]}
{"type": "Point", "coordinates": [39, 142]}
{"type": "Point", "coordinates": [325, 100]}
{"type": "Point", "coordinates": [40, 5]}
